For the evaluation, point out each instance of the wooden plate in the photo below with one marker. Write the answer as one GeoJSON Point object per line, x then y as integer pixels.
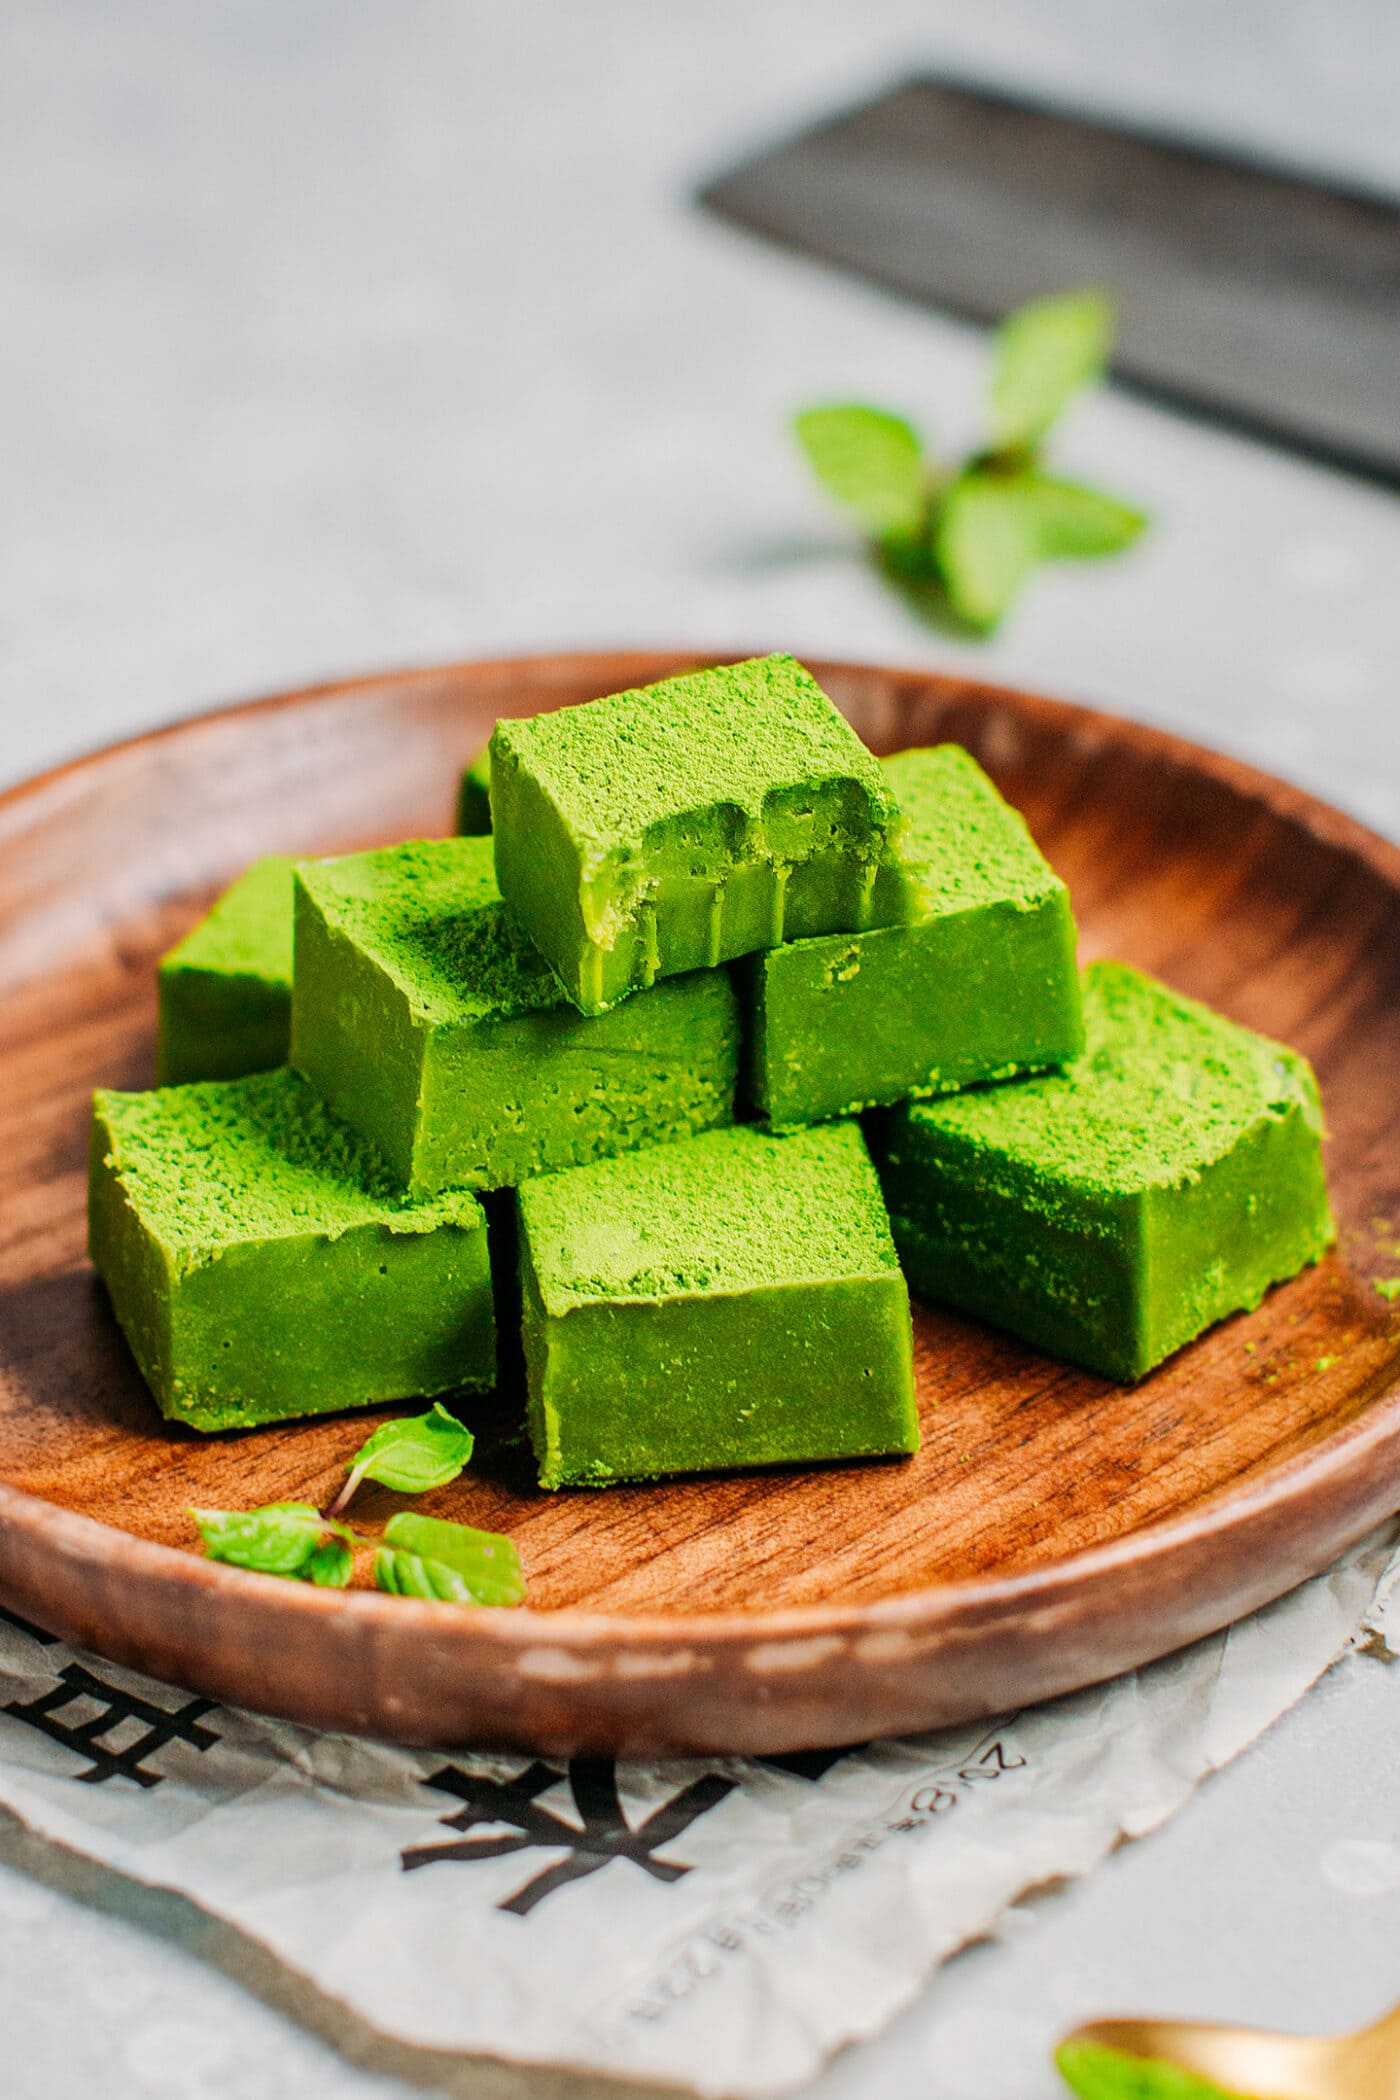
{"type": "Point", "coordinates": [1054, 1529]}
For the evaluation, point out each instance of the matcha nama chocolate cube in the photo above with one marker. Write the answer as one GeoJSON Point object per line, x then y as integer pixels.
{"type": "Point", "coordinates": [474, 798]}
{"type": "Point", "coordinates": [226, 989]}
{"type": "Point", "coordinates": [731, 1300]}
{"type": "Point", "coordinates": [983, 986]}
{"type": "Point", "coordinates": [434, 1028]}
{"type": "Point", "coordinates": [1111, 1212]}
{"type": "Point", "coordinates": [262, 1269]}
{"type": "Point", "coordinates": [683, 824]}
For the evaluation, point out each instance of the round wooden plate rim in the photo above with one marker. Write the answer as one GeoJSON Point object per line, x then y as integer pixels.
{"type": "Point", "coordinates": [1297, 1478]}
{"type": "Point", "coordinates": [1347, 1457]}
{"type": "Point", "coordinates": [1323, 819]}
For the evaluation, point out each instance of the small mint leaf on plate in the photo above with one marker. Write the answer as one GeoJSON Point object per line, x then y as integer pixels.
{"type": "Point", "coordinates": [1042, 354]}
{"type": "Point", "coordinates": [331, 1565]}
{"type": "Point", "coordinates": [411, 1456]}
{"type": "Point", "coordinates": [870, 461]}
{"type": "Point", "coordinates": [410, 1575]}
{"type": "Point", "coordinates": [428, 1557]}
{"type": "Point", "coordinates": [281, 1538]}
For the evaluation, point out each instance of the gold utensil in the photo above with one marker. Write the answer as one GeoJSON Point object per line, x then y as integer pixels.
{"type": "Point", "coordinates": [1237, 2060]}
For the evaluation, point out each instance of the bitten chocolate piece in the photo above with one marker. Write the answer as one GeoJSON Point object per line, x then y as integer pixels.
{"type": "Point", "coordinates": [474, 798]}
{"type": "Point", "coordinates": [226, 988]}
{"type": "Point", "coordinates": [1110, 1212]}
{"type": "Point", "coordinates": [431, 1026]}
{"type": "Point", "coordinates": [731, 1300]}
{"type": "Point", "coordinates": [262, 1268]}
{"type": "Point", "coordinates": [680, 825]}
{"type": "Point", "coordinates": [982, 987]}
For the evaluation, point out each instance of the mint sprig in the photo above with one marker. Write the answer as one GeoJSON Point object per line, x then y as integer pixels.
{"type": "Point", "coordinates": [419, 1556]}
{"type": "Point", "coordinates": [959, 541]}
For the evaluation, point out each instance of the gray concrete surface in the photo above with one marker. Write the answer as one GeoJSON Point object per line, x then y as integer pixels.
{"type": "Point", "coordinates": [338, 333]}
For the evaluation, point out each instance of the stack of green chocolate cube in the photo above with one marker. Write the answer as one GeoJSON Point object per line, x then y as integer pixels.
{"type": "Point", "coordinates": [693, 956]}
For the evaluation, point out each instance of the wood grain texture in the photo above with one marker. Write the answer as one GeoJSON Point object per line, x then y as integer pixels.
{"type": "Point", "coordinates": [1053, 1530]}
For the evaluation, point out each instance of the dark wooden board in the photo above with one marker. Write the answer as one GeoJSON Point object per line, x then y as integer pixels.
{"type": "Point", "coordinates": [1243, 289]}
{"type": "Point", "coordinates": [1053, 1530]}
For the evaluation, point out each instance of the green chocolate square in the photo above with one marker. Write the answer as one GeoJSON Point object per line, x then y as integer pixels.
{"type": "Point", "coordinates": [683, 824]}
{"type": "Point", "coordinates": [226, 988]}
{"type": "Point", "coordinates": [474, 798]}
{"type": "Point", "coordinates": [983, 986]}
{"type": "Point", "coordinates": [731, 1300]}
{"type": "Point", "coordinates": [1110, 1212]}
{"type": "Point", "coordinates": [262, 1268]}
{"type": "Point", "coordinates": [432, 1027]}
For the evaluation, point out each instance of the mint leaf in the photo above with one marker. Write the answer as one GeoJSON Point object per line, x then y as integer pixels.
{"type": "Point", "coordinates": [281, 1538]}
{"type": "Point", "coordinates": [409, 1575]}
{"type": "Point", "coordinates": [418, 1453]}
{"type": "Point", "coordinates": [1043, 353]}
{"type": "Point", "coordinates": [985, 539]}
{"type": "Point", "coordinates": [1097, 2073]}
{"type": "Point", "coordinates": [1074, 521]}
{"type": "Point", "coordinates": [456, 1562]}
{"type": "Point", "coordinates": [331, 1565]}
{"type": "Point", "coordinates": [868, 460]}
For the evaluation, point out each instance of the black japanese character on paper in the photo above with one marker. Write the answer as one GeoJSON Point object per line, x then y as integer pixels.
{"type": "Point", "coordinates": [92, 1738]}
{"type": "Point", "coordinates": [36, 1633]}
{"type": "Point", "coordinates": [602, 1834]}
{"type": "Point", "coordinates": [809, 1764]}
